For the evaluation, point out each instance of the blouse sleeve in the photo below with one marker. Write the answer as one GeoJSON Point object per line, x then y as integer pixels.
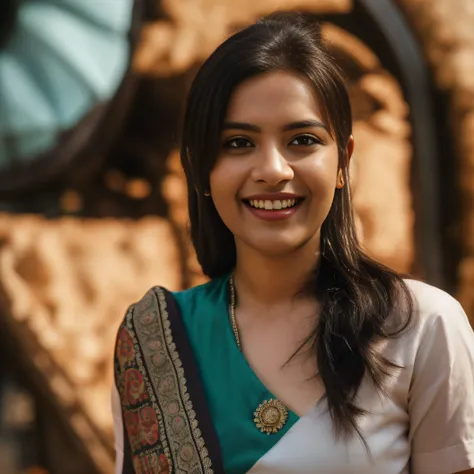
{"type": "Point", "coordinates": [118, 430]}
{"type": "Point", "coordinates": [441, 398]}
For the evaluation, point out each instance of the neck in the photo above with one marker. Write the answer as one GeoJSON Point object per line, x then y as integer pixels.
{"type": "Point", "coordinates": [269, 281]}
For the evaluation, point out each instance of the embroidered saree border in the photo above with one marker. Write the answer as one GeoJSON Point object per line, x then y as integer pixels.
{"type": "Point", "coordinates": [159, 415]}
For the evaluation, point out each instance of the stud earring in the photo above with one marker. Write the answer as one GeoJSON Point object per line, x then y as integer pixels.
{"type": "Point", "coordinates": [207, 194]}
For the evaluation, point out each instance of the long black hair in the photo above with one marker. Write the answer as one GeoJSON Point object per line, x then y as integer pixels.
{"type": "Point", "coordinates": [358, 295]}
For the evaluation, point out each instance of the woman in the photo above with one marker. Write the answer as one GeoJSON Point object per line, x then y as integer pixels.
{"type": "Point", "coordinates": [301, 354]}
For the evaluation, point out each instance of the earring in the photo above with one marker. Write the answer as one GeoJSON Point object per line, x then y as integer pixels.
{"type": "Point", "coordinates": [207, 194]}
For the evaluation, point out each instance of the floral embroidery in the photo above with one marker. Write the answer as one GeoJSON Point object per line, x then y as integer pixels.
{"type": "Point", "coordinates": [134, 387]}
{"type": "Point", "coordinates": [159, 418]}
{"type": "Point", "coordinates": [164, 464]}
{"type": "Point", "coordinates": [149, 426]}
{"type": "Point", "coordinates": [125, 350]}
{"type": "Point", "coordinates": [153, 464]}
{"type": "Point", "coordinates": [132, 423]}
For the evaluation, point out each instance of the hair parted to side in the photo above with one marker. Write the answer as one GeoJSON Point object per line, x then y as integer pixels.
{"type": "Point", "coordinates": [357, 294]}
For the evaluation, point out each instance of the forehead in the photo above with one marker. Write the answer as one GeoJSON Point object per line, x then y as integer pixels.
{"type": "Point", "coordinates": [274, 97]}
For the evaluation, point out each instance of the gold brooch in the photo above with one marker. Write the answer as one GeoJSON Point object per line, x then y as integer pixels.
{"type": "Point", "coordinates": [270, 416]}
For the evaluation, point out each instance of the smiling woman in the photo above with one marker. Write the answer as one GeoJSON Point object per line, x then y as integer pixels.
{"type": "Point", "coordinates": [301, 354]}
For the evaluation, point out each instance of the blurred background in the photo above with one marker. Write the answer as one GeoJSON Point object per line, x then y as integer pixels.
{"type": "Point", "coordinates": [93, 200]}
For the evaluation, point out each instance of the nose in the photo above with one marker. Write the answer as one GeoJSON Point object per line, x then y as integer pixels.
{"type": "Point", "coordinates": [271, 167]}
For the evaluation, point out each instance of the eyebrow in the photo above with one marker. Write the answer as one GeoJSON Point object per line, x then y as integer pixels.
{"type": "Point", "coordinates": [291, 126]}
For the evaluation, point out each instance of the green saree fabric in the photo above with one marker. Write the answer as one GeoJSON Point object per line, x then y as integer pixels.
{"type": "Point", "coordinates": [232, 389]}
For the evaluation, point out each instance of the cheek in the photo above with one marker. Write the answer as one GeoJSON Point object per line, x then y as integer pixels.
{"type": "Point", "coordinates": [225, 183]}
{"type": "Point", "coordinates": [220, 180]}
{"type": "Point", "coordinates": [320, 176]}
{"type": "Point", "coordinates": [229, 174]}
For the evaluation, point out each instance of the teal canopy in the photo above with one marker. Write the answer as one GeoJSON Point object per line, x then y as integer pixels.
{"type": "Point", "coordinates": [62, 58]}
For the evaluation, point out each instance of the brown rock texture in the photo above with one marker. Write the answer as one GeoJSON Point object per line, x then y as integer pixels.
{"type": "Point", "coordinates": [175, 192]}
{"type": "Point", "coordinates": [65, 286]}
{"type": "Point", "coordinates": [380, 167]}
{"type": "Point", "coordinates": [196, 27]}
{"type": "Point", "coordinates": [445, 30]}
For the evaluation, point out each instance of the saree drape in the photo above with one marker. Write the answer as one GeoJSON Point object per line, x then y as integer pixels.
{"type": "Point", "coordinates": [167, 425]}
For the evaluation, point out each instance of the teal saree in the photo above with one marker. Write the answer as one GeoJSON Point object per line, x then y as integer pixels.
{"type": "Point", "coordinates": [188, 395]}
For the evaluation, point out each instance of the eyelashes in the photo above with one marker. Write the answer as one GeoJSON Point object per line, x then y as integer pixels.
{"type": "Point", "coordinates": [238, 142]}
{"type": "Point", "coordinates": [306, 140]}
{"type": "Point", "coordinates": [303, 140]}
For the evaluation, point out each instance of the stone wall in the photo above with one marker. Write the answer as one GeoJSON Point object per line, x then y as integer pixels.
{"type": "Point", "coordinates": [446, 32]}
{"type": "Point", "coordinates": [380, 168]}
{"type": "Point", "coordinates": [193, 29]}
{"type": "Point", "coordinates": [64, 288]}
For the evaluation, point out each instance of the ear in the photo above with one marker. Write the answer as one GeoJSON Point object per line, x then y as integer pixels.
{"type": "Point", "coordinates": [349, 151]}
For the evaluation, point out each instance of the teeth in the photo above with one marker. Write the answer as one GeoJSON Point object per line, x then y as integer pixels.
{"type": "Point", "coordinates": [273, 205]}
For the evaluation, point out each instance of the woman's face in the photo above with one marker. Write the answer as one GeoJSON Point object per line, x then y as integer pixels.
{"type": "Point", "coordinates": [275, 178]}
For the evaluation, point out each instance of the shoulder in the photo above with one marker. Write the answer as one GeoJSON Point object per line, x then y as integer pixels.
{"type": "Point", "coordinates": [141, 314]}
{"type": "Point", "coordinates": [160, 293]}
{"type": "Point", "coordinates": [188, 302]}
{"type": "Point", "coordinates": [429, 298]}
{"type": "Point", "coordinates": [440, 323]}
{"type": "Point", "coordinates": [149, 301]}
{"type": "Point", "coordinates": [434, 306]}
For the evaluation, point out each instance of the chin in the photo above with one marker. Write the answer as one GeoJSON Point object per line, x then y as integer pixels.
{"type": "Point", "coordinates": [277, 247]}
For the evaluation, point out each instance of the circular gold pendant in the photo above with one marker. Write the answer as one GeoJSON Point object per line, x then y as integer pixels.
{"type": "Point", "coordinates": [270, 416]}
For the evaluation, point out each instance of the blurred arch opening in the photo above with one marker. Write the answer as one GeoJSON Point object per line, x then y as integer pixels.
{"type": "Point", "coordinates": [63, 66]}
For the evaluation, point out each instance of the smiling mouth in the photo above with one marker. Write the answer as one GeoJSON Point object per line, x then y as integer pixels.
{"type": "Point", "coordinates": [273, 205]}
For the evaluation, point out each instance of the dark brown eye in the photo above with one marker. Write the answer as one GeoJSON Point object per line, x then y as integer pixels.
{"type": "Point", "coordinates": [238, 142]}
{"type": "Point", "coordinates": [305, 140]}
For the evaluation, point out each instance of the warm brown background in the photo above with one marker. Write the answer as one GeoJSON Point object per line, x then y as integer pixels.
{"type": "Point", "coordinates": [66, 282]}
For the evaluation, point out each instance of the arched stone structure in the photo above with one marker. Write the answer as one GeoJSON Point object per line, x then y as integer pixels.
{"type": "Point", "coordinates": [445, 31]}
